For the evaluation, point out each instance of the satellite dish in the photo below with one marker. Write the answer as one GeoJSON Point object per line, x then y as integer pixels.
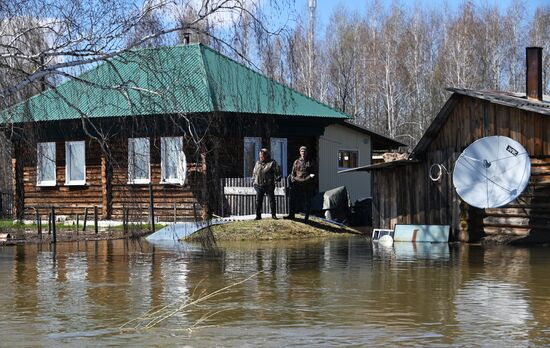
{"type": "Point", "coordinates": [491, 172]}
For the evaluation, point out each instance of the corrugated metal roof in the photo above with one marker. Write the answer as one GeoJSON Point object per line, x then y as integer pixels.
{"type": "Point", "coordinates": [515, 100]}
{"type": "Point", "coordinates": [167, 80]}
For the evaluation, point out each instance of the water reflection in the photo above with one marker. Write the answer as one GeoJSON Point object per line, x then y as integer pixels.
{"type": "Point", "coordinates": [321, 292]}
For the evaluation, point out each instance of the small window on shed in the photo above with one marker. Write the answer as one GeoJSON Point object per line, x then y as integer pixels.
{"type": "Point", "coordinates": [45, 164]}
{"type": "Point", "coordinates": [347, 159]}
{"type": "Point", "coordinates": [173, 166]}
{"type": "Point", "coordinates": [138, 161]}
{"type": "Point", "coordinates": [75, 163]}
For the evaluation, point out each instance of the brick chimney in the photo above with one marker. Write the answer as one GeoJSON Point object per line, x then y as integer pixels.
{"type": "Point", "coordinates": [534, 73]}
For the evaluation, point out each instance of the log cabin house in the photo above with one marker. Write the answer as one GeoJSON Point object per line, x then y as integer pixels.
{"type": "Point", "coordinates": [155, 127]}
{"type": "Point", "coordinates": [405, 194]}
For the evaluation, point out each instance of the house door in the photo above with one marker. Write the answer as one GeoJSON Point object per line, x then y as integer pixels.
{"type": "Point", "coordinates": [279, 153]}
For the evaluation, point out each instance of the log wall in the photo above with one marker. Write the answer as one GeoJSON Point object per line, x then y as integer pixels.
{"type": "Point", "coordinates": [407, 195]}
{"type": "Point", "coordinates": [107, 186]}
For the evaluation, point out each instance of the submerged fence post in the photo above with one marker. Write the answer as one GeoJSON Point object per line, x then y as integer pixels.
{"type": "Point", "coordinates": [53, 226]}
{"type": "Point", "coordinates": [151, 209]}
{"type": "Point", "coordinates": [85, 219]}
{"type": "Point", "coordinates": [95, 220]}
{"type": "Point", "coordinates": [125, 214]}
{"type": "Point", "coordinates": [37, 221]}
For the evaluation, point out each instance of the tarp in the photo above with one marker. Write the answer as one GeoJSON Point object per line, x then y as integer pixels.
{"type": "Point", "coordinates": [334, 199]}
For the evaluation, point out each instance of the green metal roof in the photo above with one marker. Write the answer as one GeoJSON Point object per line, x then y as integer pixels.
{"type": "Point", "coordinates": [181, 79]}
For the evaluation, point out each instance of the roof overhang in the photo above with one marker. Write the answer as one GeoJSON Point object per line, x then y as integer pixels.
{"type": "Point", "coordinates": [378, 166]}
{"type": "Point", "coordinates": [379, 141]}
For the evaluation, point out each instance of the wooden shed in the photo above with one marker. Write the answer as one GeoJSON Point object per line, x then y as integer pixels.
{"type": "Point", "coordinates": [155, 127]}
{"type": "Point", "coordinates": [405, 194]}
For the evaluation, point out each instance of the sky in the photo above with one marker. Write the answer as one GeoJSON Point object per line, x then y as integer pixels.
{"type": "Point", "coordinates": [326, 7]}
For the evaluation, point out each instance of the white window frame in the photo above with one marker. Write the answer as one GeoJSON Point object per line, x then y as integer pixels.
{"type": "Point", "coordinates": [348, 150]}
{"type": "Point", "coordinates": [257, 141]}
{"type": "Point", "coordinates": [39, 161]}
{"type": "Point", "coordinates": [182, 163]}
{"type": "Point", "coordinates": [131, 161]}
{"type": "Point", "coordinates": [283, 164]}
{"type": "Point", "coordinates": [68, 181]}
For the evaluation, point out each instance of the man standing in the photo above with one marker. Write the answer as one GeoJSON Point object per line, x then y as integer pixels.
{"type": "Point", "coordinates": [303, 184]}
{"type": "Point", "coordinates": [266, 173]}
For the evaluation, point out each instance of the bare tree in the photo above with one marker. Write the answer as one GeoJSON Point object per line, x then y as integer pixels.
{"type": "Point", "coordinates": [83, 33]}
{"type": "Point", "coordinates": [539, 32]}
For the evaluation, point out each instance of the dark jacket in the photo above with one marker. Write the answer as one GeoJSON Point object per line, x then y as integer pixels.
{"type": "Point", "coordinates": [301, 172]}
{"type": "Point", "coordinates": [266, 173]}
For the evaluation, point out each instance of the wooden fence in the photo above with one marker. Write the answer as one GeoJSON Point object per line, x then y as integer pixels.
{"type": "Point", "coordinates": [239, 197]}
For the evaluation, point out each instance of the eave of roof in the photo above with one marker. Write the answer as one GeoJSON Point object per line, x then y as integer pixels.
{"type": "Point", "coordinates": [379, 141]}
{"type": "Point", "coordinates": [383, 165]}
{"type": "Point", "coordinates": [515, 100]}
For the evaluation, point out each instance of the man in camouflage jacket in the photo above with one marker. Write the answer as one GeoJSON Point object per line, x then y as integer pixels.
{"type": "Point", "coordinates": [303, 184]}
{"type": "Point", "coordinates": [266, 172]}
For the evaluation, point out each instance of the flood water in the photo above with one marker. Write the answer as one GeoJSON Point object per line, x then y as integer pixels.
{"type": "Point", "coordinates": [339, 291]}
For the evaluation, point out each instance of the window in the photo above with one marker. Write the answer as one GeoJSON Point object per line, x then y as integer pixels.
{"type": "Point", "coordinates": [279, 153]}
{"type": "Point", "coordinates": [347, 158]}
{"type": "Point", "coordinates": [45, 164]}
{"type": "Point", "coordinates": [173, 166]}
{"type": "Point", "coordinates": [252, 148]}
{"type": "Point", "coordinates": [138, 161]}
{"type": "Point", "coordinates": [75, 163]}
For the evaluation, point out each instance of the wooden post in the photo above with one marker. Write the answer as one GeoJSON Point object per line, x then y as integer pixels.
{"type": "Point", "coordinates": [222, 196]}
{"type": "Point", "coordinates": [125, 220]}
{"type": "Point", "coordinates": [106, 188]}
{"type": "Point", "coordinates": [85, 219]}
{"type": "Point", "coordinates": [54, 241]}
{"type": "Point", "coordinates": [39, 226]}
{"type": "Point", "coordinates": [95, 220]}
{"type": "Point", "coordinates": [49, 223]}
{"type": "Point", "coordinates": [18, 202]}
{"type": "Point", "coordinates": [77, 222]}
{"type": "Point", "coordinates": [37, 218]}
{"type": "Point", "coordinates": [151, 209]}
{"type": "Point", "coordinates": [175, 214]}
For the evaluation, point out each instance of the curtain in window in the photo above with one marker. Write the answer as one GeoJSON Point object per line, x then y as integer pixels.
{"type": "Point", "coordinates": [76, 161]}
{"type": "Point", "coordinates": [138, 159]}
{"type": "Point", "coordinates": [172, 160]}
{"type": "Point", "coordinates": [46, 163]}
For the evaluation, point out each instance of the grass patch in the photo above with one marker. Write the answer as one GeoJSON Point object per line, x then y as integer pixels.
{"type": "Point", "coordinates": [9, 224]}
{"type": "Point", "coordinates": [269, 229]}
